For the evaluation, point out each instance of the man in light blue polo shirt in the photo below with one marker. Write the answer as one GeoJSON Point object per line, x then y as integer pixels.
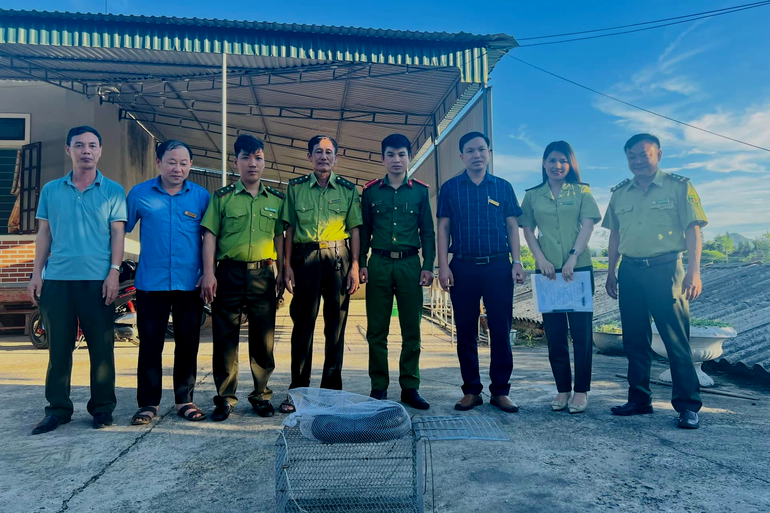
{"type": "Point", "coordinates": [80, 238]}
{"type": "Point", "coordinates": [168, 278]}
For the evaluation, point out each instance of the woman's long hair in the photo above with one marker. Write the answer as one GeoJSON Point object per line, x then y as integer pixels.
{"type": "Point", "coordinates": [566, 149]}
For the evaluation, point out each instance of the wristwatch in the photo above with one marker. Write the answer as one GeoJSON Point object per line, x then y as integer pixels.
{"type": "Point", "coordinates": [572, 251]}
{"type": "Point", "coordinates": [517, 262]}
{"type": "Point", "coordinates": [116, 267]}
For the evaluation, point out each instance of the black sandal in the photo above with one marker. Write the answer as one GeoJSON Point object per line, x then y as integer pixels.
{"type": "Point", "coordinates": [195, 415]}
{"type": "Point", "coordinates": [142, 420]}
{"type": "Point", "coordinates": [287, 407]}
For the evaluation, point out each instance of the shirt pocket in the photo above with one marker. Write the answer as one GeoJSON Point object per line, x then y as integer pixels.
{"type": "Point", "coordinates": [337, 211]}
{"type": "Point", "coordinates": [267, 218]}
{"type": "Point", "coordinates": [190, 224]}
{"type": "Point", "coordinates": [664, 214]}
{"type": "Point", "coordinates": [235, 220]}
{"type": "Point", "coordinates": [625, 215]}
{"type": "Point", "coordinates": [304, 212]}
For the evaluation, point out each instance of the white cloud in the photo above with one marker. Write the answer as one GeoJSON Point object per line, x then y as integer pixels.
{"type": "Point", "coordinates": [736, 203]}
{"type": "Point", "coordinates": [516, 169]}
{"type": "Point", "coordinates": [526, 139]}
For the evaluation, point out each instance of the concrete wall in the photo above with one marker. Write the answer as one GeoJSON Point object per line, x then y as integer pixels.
{"type": "Point", "coordinates": [128, 152]}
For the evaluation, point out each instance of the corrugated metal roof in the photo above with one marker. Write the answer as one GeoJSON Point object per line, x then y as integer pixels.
{"type": "Point", "coordinates": [474, 55]}
{"type": "Point", "coordinates": [735, 293]}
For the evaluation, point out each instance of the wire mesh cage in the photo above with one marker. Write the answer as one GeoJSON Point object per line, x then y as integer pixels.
{"type": "Point", "coordinates": [364, 477]}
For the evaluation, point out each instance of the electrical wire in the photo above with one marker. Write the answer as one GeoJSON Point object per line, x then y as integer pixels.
{"type": "Point", "coordinates": [734, 10]}
{"type": "Point", "coordinates": [755, 4]}
{"type": "Point", "coordinates": [648, 111]}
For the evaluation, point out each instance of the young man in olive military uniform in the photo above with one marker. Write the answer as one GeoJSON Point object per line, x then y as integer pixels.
{"type": "Point", "coordinates": [322, 212]}
{"type": "Point", "coordinates": [397, 223]}
{"type": "Point", "coordinates": [244, 233]}
{"type": "Point", "coordinates": [652, 220]}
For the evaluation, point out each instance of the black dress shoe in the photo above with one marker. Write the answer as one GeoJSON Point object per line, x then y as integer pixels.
{"type": "Point", "coordinates": [688, 420]}
{"type": "Point", "coordinates": [630, 408]}
{"type": "Point", "coordinates": [263, 408]}
{"type": "Point", "coordinates": [49, 423]}
{"type": "Point", "coordinates": [379, 394]}
{"type": "Point", "coordinates": [102, 420]}
{"type": "Point", "coordinates": [412, 397]}
{"type": "Point", "coordinates": [221, 412]}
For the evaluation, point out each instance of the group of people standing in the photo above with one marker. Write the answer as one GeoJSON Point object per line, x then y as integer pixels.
{"type": "Point", "coordinates": [239, 248]}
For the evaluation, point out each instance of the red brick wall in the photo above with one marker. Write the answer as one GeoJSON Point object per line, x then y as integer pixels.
{"type": "Point", "coordinates": [17, 257]}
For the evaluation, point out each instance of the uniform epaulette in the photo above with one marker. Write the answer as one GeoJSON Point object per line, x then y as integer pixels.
{"type": "Point", "coordinates": [535, 187]}
{"type": "Point", "coordinates": [224, 191]}
{"type": "Point", "coordinates": [369, 184]}
{"type": "Point", "coordinates": [421, 183]}
{"type": "Point", "coordinates": [275, 192]}
{"type": "Point", "coordinates": [621, 184]}
{"type": "Point", "coordinates": [345, 183]}
{"type": "Point", "coordinates": [583, 183]}
{"type": "Point", "coordinates": [299, 179]}
{"type": "Point", "coordinates": [679, 178]}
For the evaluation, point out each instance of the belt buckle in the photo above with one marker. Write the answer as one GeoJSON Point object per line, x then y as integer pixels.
{"type": "Point", "coordinates": [252, 265]}
{"type": "Point", "coordinates": [481, 260]}
{"type": "Point", "coordinates": [395, 254]}
{"type": "Point", "coordinates": [323, 245]}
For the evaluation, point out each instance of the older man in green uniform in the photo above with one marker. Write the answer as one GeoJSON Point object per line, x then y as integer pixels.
{"type": "Point", "coordinates": [397, 223]}
{"type": "Point", "coordinates": [322, 213]}
{"type": "Point", "coordinates": [244, 233]}
{"type": "Point", "coordinates": [652, 220]}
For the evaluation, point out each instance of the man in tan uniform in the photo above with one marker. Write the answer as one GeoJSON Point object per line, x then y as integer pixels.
{"type": "Point", "coordinates": [653, 218]}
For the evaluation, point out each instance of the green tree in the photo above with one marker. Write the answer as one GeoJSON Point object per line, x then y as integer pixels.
{"type": "Point", "coordinates": [713, 257]}
{"type": "Point", "coordinates": [761, 248]}
{"type": "Point", "coordinates": [527, 259]}
{"type": "Point", "coordinates": [724, 244]}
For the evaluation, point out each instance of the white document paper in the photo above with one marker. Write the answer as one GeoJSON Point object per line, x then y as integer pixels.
{"type": "Point", "coordinates": [563, 296]}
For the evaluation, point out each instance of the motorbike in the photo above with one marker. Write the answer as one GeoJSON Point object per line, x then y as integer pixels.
{"type": "Point", "coordinates": [125, 314]}
{"type": "Point", "coordinates": [170, 327]}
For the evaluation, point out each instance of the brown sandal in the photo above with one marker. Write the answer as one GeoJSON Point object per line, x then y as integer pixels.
{"type": "Point", "coordinates": [142, 420]}
{"type": "Point", "coordinates": [195, 415]}
{"type": "Point", "coordinates": [287, 407]}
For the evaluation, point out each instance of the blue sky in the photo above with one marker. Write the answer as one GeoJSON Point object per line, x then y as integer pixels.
{"type": "Point", "coordinates": [711, 73]}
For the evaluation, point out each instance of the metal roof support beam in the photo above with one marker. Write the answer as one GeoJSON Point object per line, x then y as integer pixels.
{"type": "Point", "coordinates": [31, 71]}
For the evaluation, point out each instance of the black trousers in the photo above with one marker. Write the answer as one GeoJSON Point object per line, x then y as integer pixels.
{"type": "Point", "coordinates": [316, 277]}
{"type": "Point", "coordinates": [152, 312]}
{"type": "Point", "coordinates": [251, 292]}
{"type": "Point", "coordinates": [494, 283]}
{"type": "Point", "coordinates": [657, 291]}
{"type": "Point", "coordinates": [62, 303]}
{"type": "Point", "coordinates": [581, 329]}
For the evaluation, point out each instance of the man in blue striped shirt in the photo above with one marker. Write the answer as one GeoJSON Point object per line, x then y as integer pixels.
{"type": "Point", "coordinates": [168, 278]}
{"type": "Point", "coordinates": [478, 212]}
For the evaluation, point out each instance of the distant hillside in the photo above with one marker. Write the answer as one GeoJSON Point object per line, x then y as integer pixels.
{"type": "Point", "coordinates": [738, 238]}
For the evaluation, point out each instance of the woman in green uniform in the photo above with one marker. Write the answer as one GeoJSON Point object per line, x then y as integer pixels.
{"type": "Point", "coordinates": [564, 212]}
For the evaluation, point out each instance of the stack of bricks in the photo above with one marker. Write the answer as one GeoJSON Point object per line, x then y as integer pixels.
{"type": "Point", "coordinates": [17, 256]}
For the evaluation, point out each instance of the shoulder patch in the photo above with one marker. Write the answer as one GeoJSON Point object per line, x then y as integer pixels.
{"type": "Point", "coordinates": [224, 191]}
{"type": "Point", "coordinates": [535, 187]}
{"type": "Point", "coordinates": [299, 180]}
{"type": "Point", "coordinates": [678, 178]}
{"type": "Point", "coordinates": [583, 183]}
{"type": "Point", "coordinates": [345, 183]}
{"type": "Point", "coordinates": [621, 184]}
{"type": "Point", "coordinates": [421, 183]}
{"type": "Point", "coordinates": [276, 192]}
{"type": "Point", "coordinates": [369, 184]}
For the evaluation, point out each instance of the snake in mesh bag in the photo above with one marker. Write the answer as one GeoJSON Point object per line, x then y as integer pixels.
{"type": "Point", "coordinates": [390, 423]}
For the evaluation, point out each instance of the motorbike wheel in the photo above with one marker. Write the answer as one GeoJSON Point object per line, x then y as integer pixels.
{"type": "Point", "coordinates": [36, 332]}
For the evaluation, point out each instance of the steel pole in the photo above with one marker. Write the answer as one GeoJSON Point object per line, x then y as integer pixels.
{"type": "Point", "coordinates": [224, 118]}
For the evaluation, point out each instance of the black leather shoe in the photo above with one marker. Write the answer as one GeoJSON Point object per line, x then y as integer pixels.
{"type": "Point", "coordinates": [221, 412]}
{"type": "Point", "coordinates": [49, 423]}
{"type": "Point", "coordinates": [413, 398]}
{"type": "Point", "coordinates": [379, 394]}
{"type": "Point", "coordinates": [102, 420]}
{"type": "Point", "coordinates": [630, 408]}
{"type": "Point", "coordinates": [688, 420]}
{"type": "Point", "coordinates": [263, 408]}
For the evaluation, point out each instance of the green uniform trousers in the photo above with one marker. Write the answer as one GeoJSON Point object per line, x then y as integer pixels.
{"type": "Point", "coordinates": [62, 304]}
{"type": "Point", "coordinates": [657, 291]}
{"type": "Point", "coordinates": [388, 277]}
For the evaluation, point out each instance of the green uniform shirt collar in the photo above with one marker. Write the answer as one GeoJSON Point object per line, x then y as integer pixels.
{"type": "Point", "coordinates": [332, 180]}
{"type": "Point", "coordinates": [657, 180]}
{"type": "Point", "coordinates": [239, 187]}
{"type": "Point", "coordinates": [385, 181]}
{"type": "Point", "coordinates": [546, 189]}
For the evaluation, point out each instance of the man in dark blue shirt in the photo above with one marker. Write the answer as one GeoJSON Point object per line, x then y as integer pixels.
{"type": "Point", "coordinates": [168, 278]}
{"type": "Point", "coordinates": [478, 211]}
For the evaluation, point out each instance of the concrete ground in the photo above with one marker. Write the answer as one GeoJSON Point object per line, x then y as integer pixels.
{"type": "Point", "coordinates": [555, 462]}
